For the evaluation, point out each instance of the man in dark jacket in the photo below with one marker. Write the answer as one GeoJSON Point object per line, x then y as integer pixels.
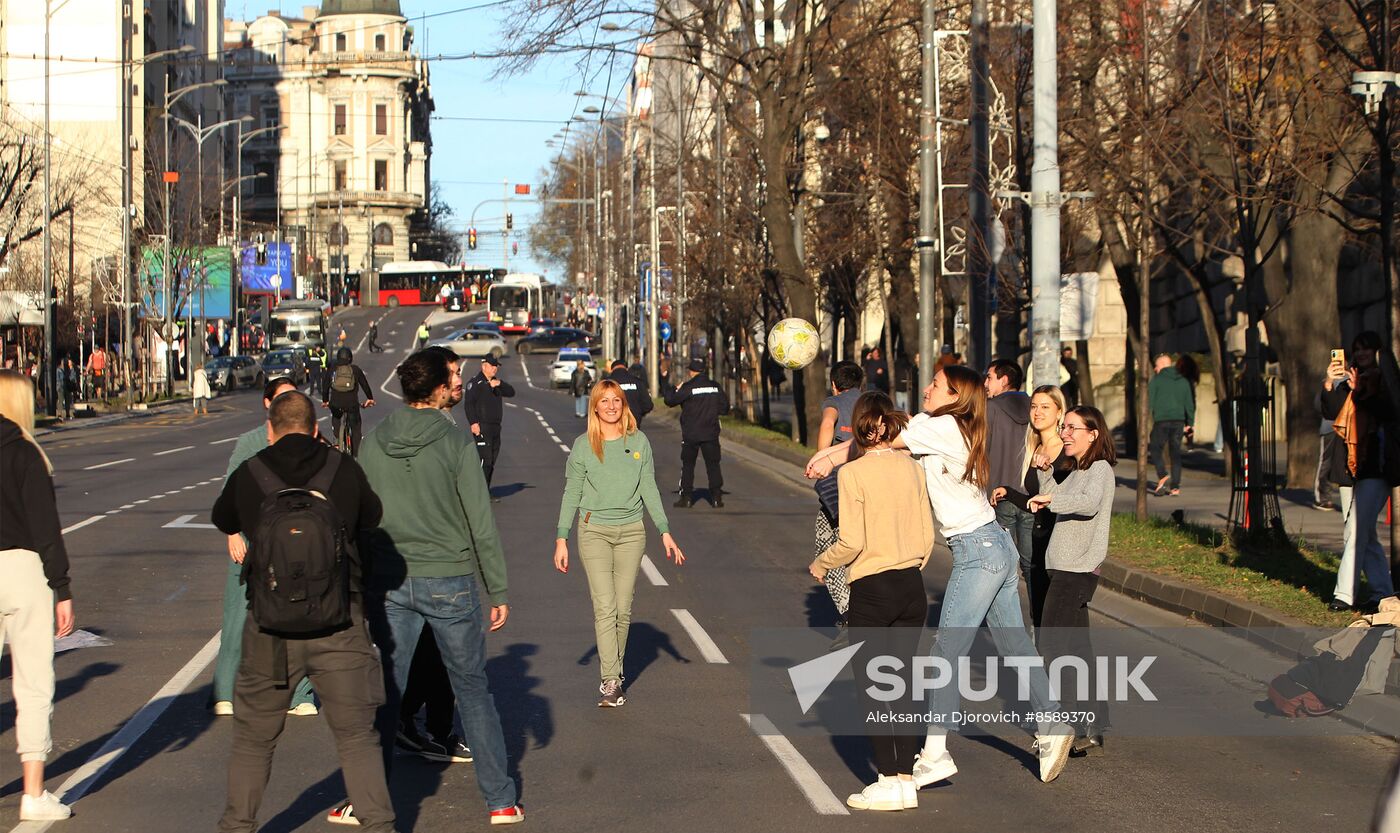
{"type": "Point", "coordinates": [580, 382]}
{"type": "Point", "coordinates": [1008, 426]}
{"type": "Point", "coordinates": [634, 390]}
{"type": "Point", "coordinates": [481, 398]}
{"type": "Point", "coordinates": [1173, 407]}
{"type": "Point", "coordinates": [877, 371]}
{"type": "Point", "coordinates": [702, 403]}
{"type": "Point", "coordinates": [344, 666]}
{"type": "Point", "coordinates": [340, 391]}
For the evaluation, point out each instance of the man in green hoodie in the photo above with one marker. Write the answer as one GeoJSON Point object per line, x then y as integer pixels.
{"type": "Point", "coordinates": [1173, 404]}
{"type": "Point", "coordinates": [434, 555]}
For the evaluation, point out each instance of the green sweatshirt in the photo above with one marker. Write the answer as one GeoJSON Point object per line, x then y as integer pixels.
{"type": "Point", "coordinates": [437, 507]}
{"type": "Point", "coordinates": [613, 490]}
{"type": "Point", "coordinates": [1170, 397]}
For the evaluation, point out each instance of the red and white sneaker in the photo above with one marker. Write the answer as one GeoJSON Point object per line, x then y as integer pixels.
{"type": "Point", "coordinates": [510, 815]}
{"type": "Point", "coordinates": [344, 814]}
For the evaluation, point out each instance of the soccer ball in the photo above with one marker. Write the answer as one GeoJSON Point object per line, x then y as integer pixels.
{"type": "Point", "coordinates": [793, 343]}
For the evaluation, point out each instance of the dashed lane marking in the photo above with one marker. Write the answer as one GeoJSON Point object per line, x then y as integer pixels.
{"type": "Point", "coordinates": [708, 649]}
{"type": "Point", "coordinates": [653, 575]}
{"type": "Point", "coordinates": [173, 450]}
{"type": "Point", "coordinates": [108, 463]}
{"type": "Point", "coordinates": [224, 440]}
{"type": "Point", "coordinates": [80, 524]}
{"type": "Point", "coordinates": [813, 788]}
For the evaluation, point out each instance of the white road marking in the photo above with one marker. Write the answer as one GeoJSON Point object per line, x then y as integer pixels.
{"type": "Point", "coordinates": [141, 501]}
{"type": "Point", "coordinates": [387, 379]}
{"type": "Point", "coordinates": [814, 789]}
{"type": "Point", "coordinates": [113, 512]}
{"type": "Point", "coordinates": [91, 772]}
{"type": "Point", "coordinates": [173, 450]}
{"type": "Point", "coordinates": [653, 575]}
{"type": "Point", "coordinates": [224, 440]}
{"type": "Point", "coordinates": [525, 368]}
{"type": "Point", "coordinates": [80, 524]}
{"type": "Point", "coordinates": [156, 497]}
{"type": "Point", "coordinates": [109, 463]}
{"type": "Point", "coordinates": [186, 522]}
{"type": "Point", "coordinates": [128, 506]}
{"type": "Point", "coordinates": [708, 649]}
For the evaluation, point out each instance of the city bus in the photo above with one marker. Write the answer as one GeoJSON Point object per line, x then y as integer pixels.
{"type": "Point", "coordinates": [518, 297]}
{"type": "Point", "coordinates": [299, 323]}
{"type": "Point", "coordinates": [415, 282]}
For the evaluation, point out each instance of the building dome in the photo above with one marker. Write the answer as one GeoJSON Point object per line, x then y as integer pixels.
{"type": "Point", "coordinates": [389, 7]}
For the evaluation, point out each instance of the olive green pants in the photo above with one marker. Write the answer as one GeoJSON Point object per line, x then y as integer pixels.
{"type": "Point", "coordinates": [611, 556]}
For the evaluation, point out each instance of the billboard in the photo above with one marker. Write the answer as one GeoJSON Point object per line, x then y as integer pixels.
{"type": "Point", "coordinates": [203, 287]}
{"type": "Point", "coordinates": [259, 272]}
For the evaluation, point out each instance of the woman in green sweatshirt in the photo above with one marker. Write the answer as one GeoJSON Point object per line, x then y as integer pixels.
{"type": "Point", "coordinates": [610, 478]}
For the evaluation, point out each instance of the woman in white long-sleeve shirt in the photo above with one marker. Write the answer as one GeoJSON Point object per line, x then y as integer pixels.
{"type": "Point", "coordinates": [1083, 507]}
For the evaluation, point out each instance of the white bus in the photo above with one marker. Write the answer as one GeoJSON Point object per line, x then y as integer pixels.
{"type": "Point", "coordinates": [298, 323]}
{"type": "Point", "coordinates": [518, 297]}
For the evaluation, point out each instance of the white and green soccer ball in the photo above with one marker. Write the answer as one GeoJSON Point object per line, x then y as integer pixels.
{"type": "Point", "coordinates": [793, 343]}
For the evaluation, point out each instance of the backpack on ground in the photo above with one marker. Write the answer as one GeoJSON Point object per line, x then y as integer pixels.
{"type": "Point", "coordinates": [344, 380]}
{"type": "Point", "coordinates": [298, 564]}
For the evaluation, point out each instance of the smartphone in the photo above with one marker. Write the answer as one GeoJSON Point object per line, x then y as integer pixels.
{"type": "Point", "coordinates": [1339, 355]}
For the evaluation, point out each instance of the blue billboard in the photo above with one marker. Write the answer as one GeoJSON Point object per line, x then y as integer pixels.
{"type": "Point", "coordinates": [258, 270]}
{"type": "Point", "coordinates": [203, 283]}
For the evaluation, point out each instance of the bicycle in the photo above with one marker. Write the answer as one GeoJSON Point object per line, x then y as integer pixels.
{"type": "Point", "coordinates": [344, 441]}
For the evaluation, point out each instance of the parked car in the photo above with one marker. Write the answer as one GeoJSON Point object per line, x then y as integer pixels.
{"type": "Point", "coordinates": [471, 343]}
{"type": "Point", "coordinates": [291, 363]}
{"type": "Point", "coordinates": [555, 337]}
{"type": "Point", "coordinates": [455, 301]}
{"type": "Point", "coordinates": [231, 372]}
{"type": "Point", "coordinates": [566, 361]}
{"type": "Point", "coordinates": [539, 325]}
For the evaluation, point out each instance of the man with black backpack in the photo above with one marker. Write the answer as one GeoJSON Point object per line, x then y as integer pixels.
{"type": "Point", "coordinates": [303, 506]}
{"type": "Point", "coordinates": [340, 391]}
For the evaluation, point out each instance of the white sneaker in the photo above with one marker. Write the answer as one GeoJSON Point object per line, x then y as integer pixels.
{"type": "Point", "coordinates": [223, 708]}
{"type": "Point", "coordinates": [43, 807]}
{"type": "Point", "coordinates": [1052, 750]}
{"type": "Point", "coordinates": [910, 793]}
{"type": "Point", "coordinates": [933, 770]}
{"type": "Point", "coordinates": [304, 710]}
{"type": "Point", "coordinates": [884, 794]}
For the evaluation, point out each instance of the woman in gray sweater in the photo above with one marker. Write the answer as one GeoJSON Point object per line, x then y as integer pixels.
{"type": "Point", "coordinates": [1083, 507]}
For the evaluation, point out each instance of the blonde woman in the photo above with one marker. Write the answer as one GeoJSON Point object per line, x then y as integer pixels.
{"type": "Point", "coordinates": [35, 601]}
{"type": "Point", "coordinates": [610, 479]}
{"type": "Point", "coordinates": [1045, 451]}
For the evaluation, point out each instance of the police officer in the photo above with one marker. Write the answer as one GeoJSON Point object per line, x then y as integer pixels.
{"type": "Point", "coordinates": [482, 401]}
{"type": "Point", "coordinates": [316, 367]}
{"type": "Point", "coordinates": [634, 390]}
{"type": "Point", "coordinates": [702, 403]}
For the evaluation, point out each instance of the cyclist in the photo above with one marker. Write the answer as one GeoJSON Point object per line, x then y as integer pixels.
{"type": "Point", "coordinates": [340, 392]}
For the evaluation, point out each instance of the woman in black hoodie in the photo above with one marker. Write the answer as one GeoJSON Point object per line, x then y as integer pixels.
{"type": "Point", "coordinates": [35, 600]}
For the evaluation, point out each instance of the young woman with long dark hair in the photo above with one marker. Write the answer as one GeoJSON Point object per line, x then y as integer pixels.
{"type": "Point", "coordinates": [885, 538]}
{"type": "Point", "coordinates": [1083, 507]}
{"type": "Point", "coordinates": [610, 479]}
{"type": "Point", "coordinates": [950, 440]}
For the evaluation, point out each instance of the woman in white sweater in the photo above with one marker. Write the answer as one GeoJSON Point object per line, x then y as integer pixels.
{"type": "Point", "coordinates": [1083, 507]}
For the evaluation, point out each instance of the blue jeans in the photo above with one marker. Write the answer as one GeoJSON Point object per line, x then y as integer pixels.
{"type": "Point", "coordinates": [984, 586]}
{"type": "Point", "coordinates": [1018, 523]}
{"type": "Point", "coordinates": [1369, 497]}
{"type": "Point", "coordinates": [581, 405]}
{"type": "Point", "coordinates": [452, 608]}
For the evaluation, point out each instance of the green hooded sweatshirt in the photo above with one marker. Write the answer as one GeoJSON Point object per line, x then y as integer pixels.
{"type": "Point", "coordinates": [437, 506]}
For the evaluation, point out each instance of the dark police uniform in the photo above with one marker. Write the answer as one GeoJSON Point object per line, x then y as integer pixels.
{"type": "Point", "coordinates": [634, 390]}
{"type": "Point", "coordinates": [483, 406]}
{"type": "Point", "coordinates": [702, 403]}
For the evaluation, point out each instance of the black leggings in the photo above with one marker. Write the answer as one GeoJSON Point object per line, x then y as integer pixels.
{"type": "Point", "coordinates": [1065, 624]}
{"type": "Point", "coordinates": [894, 601]}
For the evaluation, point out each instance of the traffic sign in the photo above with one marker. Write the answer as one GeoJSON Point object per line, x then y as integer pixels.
{"type": "Point", "coordinates": [665, 330]}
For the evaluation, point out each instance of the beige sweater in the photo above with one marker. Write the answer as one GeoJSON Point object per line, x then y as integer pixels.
{"type": "Point", "coordinates": [886, 523]}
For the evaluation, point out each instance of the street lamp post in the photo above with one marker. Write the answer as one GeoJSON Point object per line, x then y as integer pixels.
{"type": "Point", "coordinates": [243, 139]}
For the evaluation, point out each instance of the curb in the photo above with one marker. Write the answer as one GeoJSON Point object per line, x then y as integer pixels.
{"type": "Point", "coordinates": [109, 419]}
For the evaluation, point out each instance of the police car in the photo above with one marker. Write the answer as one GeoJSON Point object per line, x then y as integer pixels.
{"type": "Point", "coordinates": [566, 361]}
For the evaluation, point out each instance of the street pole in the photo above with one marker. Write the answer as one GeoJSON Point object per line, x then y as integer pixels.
{"type": "Point", "coordinates": [653, 274]}
{"type": "Point", "coordinates": [927, 241]}
{"type": "Point", "coordinates": [1045, 199]}
{"type": "Point", "coordinates": [166, 308]}
{"type": "Point", "coordinates": [981, 270]}
{"type": "Point", "coordinates": [48, 364]}
{"type": "Point", "coordinates": [235, 342]}
{"type": "Point", "coordinates": [124, 261]}
{"type": "Point", "coordinates": [678, 291]}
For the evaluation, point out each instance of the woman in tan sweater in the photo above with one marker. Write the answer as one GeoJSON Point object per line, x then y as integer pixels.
{"type": "Point", "coordinates": [886, 536]}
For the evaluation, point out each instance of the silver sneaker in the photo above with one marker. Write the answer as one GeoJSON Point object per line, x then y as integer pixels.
{"type": "Point", "coordinates": [1052, 751]}
{"type": "Point", "coordinates": [612, 694]}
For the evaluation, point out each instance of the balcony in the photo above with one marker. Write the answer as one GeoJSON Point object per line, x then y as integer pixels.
{"type": "Point", "coordinates": [396, 62]}
{"type": "Point", "coordinates": [394, 199]}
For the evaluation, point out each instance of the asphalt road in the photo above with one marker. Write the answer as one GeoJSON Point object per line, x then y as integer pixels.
{"type": "Point", "coordinates": [681, 755]}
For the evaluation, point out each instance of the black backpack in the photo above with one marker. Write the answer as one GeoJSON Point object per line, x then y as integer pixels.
{"type": "Point", "coordinates": [298, 564]}
{"type": "Point", "coordinates": [344, 379]}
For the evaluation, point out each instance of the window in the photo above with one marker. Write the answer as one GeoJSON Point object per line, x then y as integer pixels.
{"type": "Point", "coordinates": [271, 116]}
{"type": "Point", "coordinates": [265, 186]}
{"type": "Point", "coordinates": [379, 41]}
{"type": "Point", "coordinates": [381, 120]}
{"type": "Point", "coordinates": [381, 175]}
{"type": "Point", "coordinates": [340, 119]}
{"type": "Point", "coordinates": [383, 235]}
{"type": "Point", "coordinates": [340, 43]}
{"type": "Point", "coordinates": [341, 175]}
{"type": "Point", "coordinates": [337, 236]}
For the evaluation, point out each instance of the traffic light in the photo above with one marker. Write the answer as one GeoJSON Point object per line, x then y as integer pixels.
{"type": "Point", "coordinates": [471, 238]}
{"type": "Point", "coordinates": [510, 221]}
{"type": "Point", "coordinates": [262, 250]}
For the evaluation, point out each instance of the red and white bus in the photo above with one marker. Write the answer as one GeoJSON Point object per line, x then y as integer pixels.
{"type": "Point", "coordinates": [518, 297]}
{"type": "Point", "coordinates": [416, 282]}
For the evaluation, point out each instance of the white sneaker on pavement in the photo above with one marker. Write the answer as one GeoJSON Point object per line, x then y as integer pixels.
{"type": "Point", "coordinates": [1052, 750]}
{"type": "Point", "coordinates": [304, 710]}
{"type": "Point", "coordinates": [909, 793]}
{"type": "Point", "coordinates": [43, 807]}
{"type": "Point", "coordinates": [223, 708]}
{"type": "Point", "coordinates": [933, 770]}
{"type": "Point", "coordinates": [884, 794]}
